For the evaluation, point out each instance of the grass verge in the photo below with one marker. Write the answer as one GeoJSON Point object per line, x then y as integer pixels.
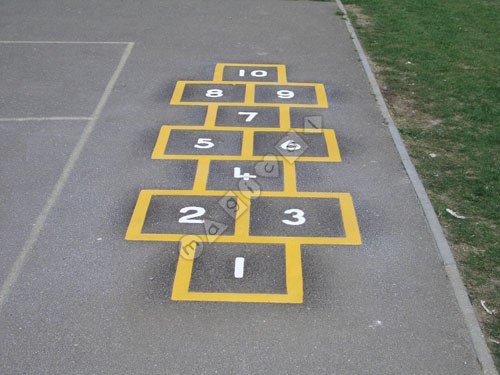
{"type": "Point", "coordinates": [438, 63]}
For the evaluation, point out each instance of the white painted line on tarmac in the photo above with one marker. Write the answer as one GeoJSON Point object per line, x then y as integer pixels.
{"type": "Point", "coordinates": [483, 354]}
{"type": "Point", "coordinates": [239, 267]}
{"type": "Point", "coordinates": [25, 119]}
{"type": "Point", "coordinates": [63, 178]}
{"type": "Point", "coordinates": [57, 42]}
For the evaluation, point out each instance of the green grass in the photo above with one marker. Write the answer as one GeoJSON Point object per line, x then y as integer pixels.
{"type": "Point", "coordinates": [439, 62]}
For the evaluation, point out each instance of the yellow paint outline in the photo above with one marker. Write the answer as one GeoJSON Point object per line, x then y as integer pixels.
{"type": "Point", "coordinates": [212, 111]}
{"type": "Point", "coordinates": [249, 101]}
{"type": "Point", "coordinates": [280, 70]}
{"type": "Point", "coordinates": [241, 234]}
{"type": "Point", "coordinates": [294, 283]}
{"type": "Point", "coordinates": [247, 144]}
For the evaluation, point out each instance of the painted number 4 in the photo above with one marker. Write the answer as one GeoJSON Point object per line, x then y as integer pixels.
{"type": "Point", "coordinates": [245, 176]}
{"type": "Point", "coordinates": [297, 215]}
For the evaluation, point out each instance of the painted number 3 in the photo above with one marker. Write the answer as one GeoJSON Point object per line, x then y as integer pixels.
{"type": "Point", "coordinates": [297, 214]}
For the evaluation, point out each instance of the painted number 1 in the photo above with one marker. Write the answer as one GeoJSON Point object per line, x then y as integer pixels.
{"type": "Point", "coordinates": [297, 214]}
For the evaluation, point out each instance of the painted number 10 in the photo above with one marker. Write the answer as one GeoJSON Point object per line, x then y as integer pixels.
{"type": "Point", "coordinates": [253, 73]}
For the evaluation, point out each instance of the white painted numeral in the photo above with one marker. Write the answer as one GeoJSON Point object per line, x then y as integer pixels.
{"type": "Point", "coordinates": [190, 218]}
{"type": "Point", "coordinates": [285, 94]}
{"type": "Point", "coordinates": [290, 145]}
{"type": "Point", "coordinates": [245, 176]}
{"type": "Point", "coordinates": [254, 73]}
{"type": "Point", "coordinates": [297, 214]}
{"type": "Point", "coordinates": [204, 143]}
{"type": "Point", "coordinates": [214, 93]}
{"type": "Point", "coordinates": [239, 267]}
{"type": "Point", "coordinates": [251, 115]}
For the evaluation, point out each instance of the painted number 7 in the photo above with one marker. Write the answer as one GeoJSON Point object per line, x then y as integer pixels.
{"type": "Point", "coordinates": [251, 115]}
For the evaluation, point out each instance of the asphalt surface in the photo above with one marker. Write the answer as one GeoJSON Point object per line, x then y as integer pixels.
{"type": "Point", "coordinates": [77, 298]}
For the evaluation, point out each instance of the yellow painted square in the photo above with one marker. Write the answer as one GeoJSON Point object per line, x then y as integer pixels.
{"type": "Point", "coordinates": [294, 283]}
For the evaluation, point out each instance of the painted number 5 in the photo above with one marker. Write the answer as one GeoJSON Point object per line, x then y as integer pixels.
{"type": "Point", "coordinates": [297, 214]}
{"type": "Point", "coordinates": [204, 143]}
{"type": "Point", "coordinates": [285, 94]}
{"type": "Point", "coordinates": [190, 218]}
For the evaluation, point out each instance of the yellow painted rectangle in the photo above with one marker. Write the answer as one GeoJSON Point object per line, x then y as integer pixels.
{"type": "Point", "coordinates": [219, 70]}
{"type": "Point", "coordinates": [349, 221]}
{"type": "Point", "coordinates": [247, 147]}
{"type": "Point", "coordinates": [249, 99]}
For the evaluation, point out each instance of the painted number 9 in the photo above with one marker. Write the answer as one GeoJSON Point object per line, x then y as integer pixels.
{"type": "Point", "coordinates": [297, 214]}
{"type": "Point", "coordinates": [214, 93]}
{"type": "Point", "coordinates": [285, 94]}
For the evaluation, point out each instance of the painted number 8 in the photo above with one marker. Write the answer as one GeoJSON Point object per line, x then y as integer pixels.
{"type": "Point", "coordinates": [214, 93]}
{"type": "Point", "coordinates": [285, 94]}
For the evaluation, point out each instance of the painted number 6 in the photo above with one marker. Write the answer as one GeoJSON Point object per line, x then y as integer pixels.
{"type": "Point", "coordinates": [297, 214]}
{"type": "Point", "coordinates": [285, 94]}
{"type": "Point", "coordinates": [290, 145]}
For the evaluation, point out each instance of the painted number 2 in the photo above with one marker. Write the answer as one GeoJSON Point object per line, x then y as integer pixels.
{"type": "Point", "coordinates": [297, 214]}
{"type": "Point", "coordinates": [190, 218]}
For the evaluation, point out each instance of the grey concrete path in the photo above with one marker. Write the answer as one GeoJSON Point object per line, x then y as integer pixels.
{"type": "Point", "coordinates": [79, 123]}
